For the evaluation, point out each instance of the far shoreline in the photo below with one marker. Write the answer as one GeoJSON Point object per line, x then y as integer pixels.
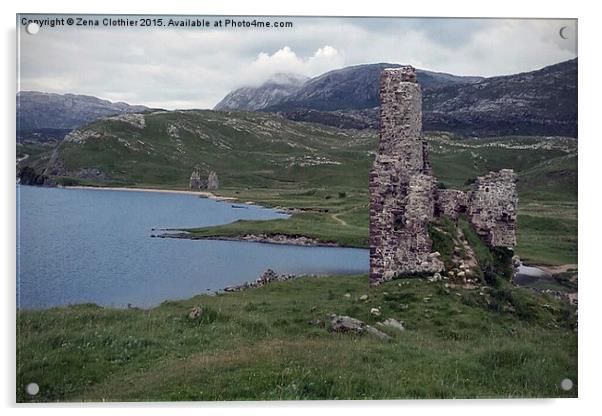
{"type": "Point", "coordinates": [204, 194]}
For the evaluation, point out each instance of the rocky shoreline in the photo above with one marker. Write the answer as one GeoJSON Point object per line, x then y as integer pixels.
{"type": "Point", "coordinates": [253, 238]}
{"type": "Point", "coordinates": [269, 276]}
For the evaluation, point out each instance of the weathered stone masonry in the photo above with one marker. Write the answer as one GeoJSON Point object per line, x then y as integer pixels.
{"type": "Point", "coordinates": [197, 182]}
{"type": "Point", "coordinates": [493, 208]}
{"type": "Point", "coordinates": [404, 196]}
{"type": "Point", "coordinates": [402, 189]}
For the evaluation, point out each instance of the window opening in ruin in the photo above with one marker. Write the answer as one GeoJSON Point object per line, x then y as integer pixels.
{"type": "Point", "coordinates": [398, 222]}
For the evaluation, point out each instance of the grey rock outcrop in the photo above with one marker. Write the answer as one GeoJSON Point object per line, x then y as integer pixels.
{"type": "Point", "coordinates": [136, 120]}
{"type": "Point", "coordinates": [342, 323]}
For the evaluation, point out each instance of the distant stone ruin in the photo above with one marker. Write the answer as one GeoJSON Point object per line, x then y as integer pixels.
{"type": "Point", "coordinates": [197, 181]}
{"type": "Point", "coordinates": [405, 198]}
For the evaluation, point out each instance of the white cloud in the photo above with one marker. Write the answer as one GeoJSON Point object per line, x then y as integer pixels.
{"type": "Point", "coordinates": [285, 59]}
{"type": "Point", "coordinates": [194, 68]}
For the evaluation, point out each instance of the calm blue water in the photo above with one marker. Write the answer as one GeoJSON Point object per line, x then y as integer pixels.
{"type": "Point", "coordinates": [80, 245]}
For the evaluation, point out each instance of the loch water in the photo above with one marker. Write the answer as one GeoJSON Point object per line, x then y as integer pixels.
{"type": "Point", "coordinates": [94, 246]}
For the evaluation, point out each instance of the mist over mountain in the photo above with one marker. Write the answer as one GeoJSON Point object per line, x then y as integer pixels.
{"type": "Point", "coordinates": [271, 92]}
{"type": "Point", "coordinates": [354, 87]}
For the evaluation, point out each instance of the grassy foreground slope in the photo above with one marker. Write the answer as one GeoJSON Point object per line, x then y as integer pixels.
{"type": "Point", "coordinates": [259, 345]}
{"type": "Point", "coordinates": [322, 173]}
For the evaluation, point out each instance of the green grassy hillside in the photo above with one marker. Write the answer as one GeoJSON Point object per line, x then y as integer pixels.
{"type": "Point", "coordinates": [245, 149]}
{"type": "Point", "coordinates": [260, 345]}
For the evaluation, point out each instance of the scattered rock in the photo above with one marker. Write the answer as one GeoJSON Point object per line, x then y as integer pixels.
{"type": "Point", "coordinates": [347, 295]}
{"type": "Point", "coordinates": [364, 297]}
{"type": "Point", "coordinates": [195, 313]}
{"type": "Point", "coordinates": [379, 334]}
{"type": "Point", "coordinates": [375, 311]}
{"type": "Point", "coordinates": [342, 323]}
{"type": "Point", "coordinates": [393, 323]}
{"type": "Point", "coordinates": [268, 276]}
{"type": "Point", "coordinates": [316, 322]}
{"type": "Point", "coordinates": [516, 261]}
{"type": "Point", "coordinates": [435, 277]}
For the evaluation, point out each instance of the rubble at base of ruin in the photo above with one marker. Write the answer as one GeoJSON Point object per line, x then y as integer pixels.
{"type": "Point", "coordinates": [405, 198]}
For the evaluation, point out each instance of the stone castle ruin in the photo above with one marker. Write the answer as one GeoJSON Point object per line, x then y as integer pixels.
{"type": "Point", "coordinates": [405, 198]}
{"type": "Point", "coordinates": [198, 182]}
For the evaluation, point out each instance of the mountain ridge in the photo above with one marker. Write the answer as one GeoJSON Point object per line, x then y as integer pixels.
{"type": "Point", "coordinates": [539, 102]}
{"type": "Point", "coordinates": [38, 110]}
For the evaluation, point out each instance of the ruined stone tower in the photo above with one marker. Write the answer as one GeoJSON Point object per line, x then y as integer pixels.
{"type": "Point", "coordinates": [404, 197]}
{"type": "Point", "coordinates": [402, 189]}
{"type": "Point", "coordinates": [197, 182]}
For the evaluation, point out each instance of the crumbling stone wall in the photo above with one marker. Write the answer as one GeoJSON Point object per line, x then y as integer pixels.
{"type": "Point", "coordinates": [212, 181]}
{"type": "Point", "coordinates": [403, 191]}
{"type": "Point", "coordinates": [493, 202]}
{"type": "Point", "coordinates": [451, 203]}
{"type": "Point", "coordinates": [197, 182]}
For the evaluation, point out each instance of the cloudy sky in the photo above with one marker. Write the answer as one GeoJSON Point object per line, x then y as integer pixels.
{"type": "Point", "coordinates": [196, 67]}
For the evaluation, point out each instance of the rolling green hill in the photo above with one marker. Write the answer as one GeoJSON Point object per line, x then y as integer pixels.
{"type": "Point", "coordinates": [245, 149]}
{"type": "Point", "coordinates": [319, 172]}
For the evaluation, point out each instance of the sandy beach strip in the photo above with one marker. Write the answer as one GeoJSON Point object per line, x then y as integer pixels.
{"type": "Point", "coordinates": [204, 194]}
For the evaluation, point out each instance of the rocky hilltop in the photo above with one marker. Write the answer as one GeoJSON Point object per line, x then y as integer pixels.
{"type": "Point", "coordinates": [350, 88]}
{"type": "Point", "coordinates": [355, 88]}
{"type": "Point", "coordinates": [269, 93]}
{"type": "Point", "coordinates": [529, 103]}
{"type": "Point", "coordinates": [39, 112]}
{"type": "Point", "coordinates": [541, 102]}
